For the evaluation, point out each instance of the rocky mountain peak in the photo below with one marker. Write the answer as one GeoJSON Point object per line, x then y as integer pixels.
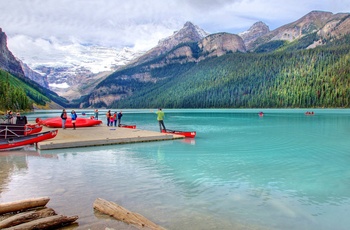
{"type": "Point", "coordinates": [221, 43]}
{"type": "Point", "coordinates": [195, 29]}
{"type": "Point", "coordinates": [35, 76]}
{"type": "Point", "coordinates": [11, 64]}
{"type": "Point", "coordinates": [317, 17]}
{"type": "Point", "coordinates": [257, 30]}
{"type": "Point", "coordinates": [310, 23]}
{"type": "Point", "coordinates": [188, 33]}
{"type": "Point", "coordinates": [259, 27]}
{"type": "Point", "coordinates": [8, 61]}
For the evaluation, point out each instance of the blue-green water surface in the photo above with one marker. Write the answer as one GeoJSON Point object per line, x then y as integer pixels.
{"type": "Point", "coordinates": [284, 170]}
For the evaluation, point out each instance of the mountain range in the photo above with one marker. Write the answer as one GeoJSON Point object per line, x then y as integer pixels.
{"type": "Point", "coordinates": [190, 46]}
{"type": "Point", "coordinates": [150, 70]}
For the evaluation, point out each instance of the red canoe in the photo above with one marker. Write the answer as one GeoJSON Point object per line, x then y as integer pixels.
{"type": "Point", "coordinates": [128, 126]}
{"type": "Point", "coordinates": [190, 134]}
{"type": "Point", "coordinates": [56, 122]}
{"type": "Point", "coordinates": [17, 142]}
{"type": "Point", "coordinates": [32, 128]}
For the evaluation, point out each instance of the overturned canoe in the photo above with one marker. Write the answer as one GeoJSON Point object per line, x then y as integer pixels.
{"type": "Point", "coordinates": [56, 122]}
{"type": "Point", "coordinates": [190, 134]}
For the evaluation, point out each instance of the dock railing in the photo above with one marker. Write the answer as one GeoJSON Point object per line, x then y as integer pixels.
{"type": "Point", "coordinates": [11, 130]}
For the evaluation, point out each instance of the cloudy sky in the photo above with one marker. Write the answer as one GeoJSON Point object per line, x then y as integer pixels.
{"type": "Point", "coordinates": [140, 24]}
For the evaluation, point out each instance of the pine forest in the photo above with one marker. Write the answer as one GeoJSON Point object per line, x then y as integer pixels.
{"type": "Point", "coordinates": [317, 78]}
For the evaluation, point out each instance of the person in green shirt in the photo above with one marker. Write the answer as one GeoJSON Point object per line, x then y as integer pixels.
{"type": "Point", "coordinates": [160, 118]}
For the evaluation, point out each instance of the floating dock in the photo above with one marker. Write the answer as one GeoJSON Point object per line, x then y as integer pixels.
{"type": "Point", "coordinates": [101, 135]}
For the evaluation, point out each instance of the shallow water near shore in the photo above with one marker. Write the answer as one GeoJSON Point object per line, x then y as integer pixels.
{"type": "Point", "coordinates": [284, 170]}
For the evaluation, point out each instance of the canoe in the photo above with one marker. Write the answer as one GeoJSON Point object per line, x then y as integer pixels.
{"type": "Point", "coordinates": [189, 134]}
{"type": "Point", "coordinates": [56, 122]}
{"type": "Point", "coordinates": [128, 126]}
{"type": "Point", "coordinates": [32, 128]}
{"type": "Point", "coordinates": [15, 130]}
{"type": "Point", "coordinates": [17, 142]}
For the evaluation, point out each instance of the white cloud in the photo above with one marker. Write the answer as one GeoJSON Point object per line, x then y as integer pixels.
{"type": "Point", "coordinates": [42, 26]}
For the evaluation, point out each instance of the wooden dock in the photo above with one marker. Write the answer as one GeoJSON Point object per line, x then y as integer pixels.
{"type": "Point", "coordinates": [101, 135]}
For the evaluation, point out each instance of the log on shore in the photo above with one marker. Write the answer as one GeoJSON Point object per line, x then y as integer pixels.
{"type": "Point", "coordinates": [45, 223]}
{"type": "Point", "coordinates": [122, 214]}
{"type": "Point", "coordinates": [25, 217]}
{"type": "Point", "coordinates": [23, 204]}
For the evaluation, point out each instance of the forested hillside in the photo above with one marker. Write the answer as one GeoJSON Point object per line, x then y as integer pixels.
{"type": "Point", "coordinates": [12, 97]}
{"type": "Point", "coordinates": [23, 94]}
{"type": "Point", "coordinates": [282, 77]}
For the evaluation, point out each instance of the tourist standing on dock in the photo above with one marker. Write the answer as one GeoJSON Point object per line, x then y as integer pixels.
{"type": "Point", "coordinates": [114, 119]}
{"type": "Point", "coordinates": [120, 114]}
{"type": "Point", "coordinates": [111, 120]}
{"type": "Point", "coordinates": [108, 116]}
{"type": "Point", "coordinates": [160, 118]}
{"type": "Point", "coordinates": [64, 118]}
{"type": "Point", "coordinates": [74, 118]}
{"type": "Point", "coordinates": [96, 114]}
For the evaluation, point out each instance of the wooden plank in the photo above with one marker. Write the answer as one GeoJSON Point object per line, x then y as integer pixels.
{"type": "Point", "coordinates": [23, 204]}
{"type": "Point", "coordinates": [122, 214]}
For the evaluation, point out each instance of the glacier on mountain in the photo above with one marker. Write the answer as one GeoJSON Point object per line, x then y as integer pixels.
{"type": "Point", "coordinates": [60, 62]}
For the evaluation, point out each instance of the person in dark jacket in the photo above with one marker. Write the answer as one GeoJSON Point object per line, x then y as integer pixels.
{"type": "Point", "coordinates": [9, 117]}
{"type": "Point", "coordinates": [96, 114]}
{"type": "Point", "coordinates": [120, 114]}
{"type": "Point", "coordinates": [64, 118]}
{"type": "Point", "coordinates": [21, 120]}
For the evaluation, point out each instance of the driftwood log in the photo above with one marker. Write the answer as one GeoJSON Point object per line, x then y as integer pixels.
{"type": "Point", "coordinates": [32, 214]}
{"type": "Point", "coordinates": [122, 214]}
{"type": "Point", "coordinates": [45, 223]}
{"type": "Point", "coordinates": [23, 204]}
{"type": "Point", "coordinates": [25, 217]}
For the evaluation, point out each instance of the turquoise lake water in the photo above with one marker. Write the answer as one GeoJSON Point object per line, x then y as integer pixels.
{"type": "Point", "coordinates": [284, 170]}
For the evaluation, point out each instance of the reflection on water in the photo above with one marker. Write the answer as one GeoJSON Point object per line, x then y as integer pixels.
{"type": "Point", "coordinates": [280, 171]}
{"type": "Point", "coordinates": [16, 162]}
{"type": "Point", "coordinates": [9, 165]}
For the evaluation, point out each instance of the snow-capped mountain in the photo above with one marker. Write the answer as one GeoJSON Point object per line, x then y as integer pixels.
{"type": "Point", "coordinates": [69, 66]}
{"type": "Point", "coordinates": [82, 60]}
{"type": "Point", "coordinates": [72, 69]}
{"type": "Point", "coordinates": [188, 33]}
